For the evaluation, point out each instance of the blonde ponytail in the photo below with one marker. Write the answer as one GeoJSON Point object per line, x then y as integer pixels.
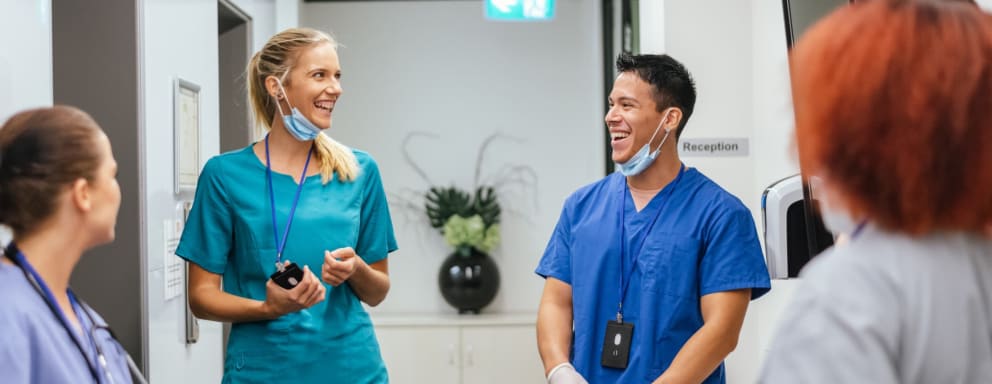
{"type": "Point", "coordinates": [335, 157]}
{"type": "Point", "coordinates": [274, 59]}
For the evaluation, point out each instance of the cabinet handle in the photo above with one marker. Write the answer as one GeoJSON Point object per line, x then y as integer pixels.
{"type": "Point", "coordinates": [468, 357]}
{"type": "Point", "coordinates": [451, 354]}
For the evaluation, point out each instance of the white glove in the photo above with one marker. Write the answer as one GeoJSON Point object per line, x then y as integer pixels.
{"type": "Point", "coordinates": [565, 373]}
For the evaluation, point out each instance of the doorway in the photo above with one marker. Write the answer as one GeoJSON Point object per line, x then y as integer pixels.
{"type": "Point", "coordinates": [234, 50]}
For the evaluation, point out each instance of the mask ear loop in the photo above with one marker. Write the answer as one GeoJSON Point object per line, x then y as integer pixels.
{"type": "Point", "coordinates": [283, 90]}
{"type": "Point", "coordinates": [663, 139]}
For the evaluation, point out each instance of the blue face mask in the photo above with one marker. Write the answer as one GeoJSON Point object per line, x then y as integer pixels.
{"type": "Point", "coordinates": [644, 157]}
{"type": "Point", "coordinates": [298, 125]}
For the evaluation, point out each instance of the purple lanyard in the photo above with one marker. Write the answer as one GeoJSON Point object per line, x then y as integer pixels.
{"type": "Point", "coordinates": [272, 199]}
{"type": "Point", "coordinates": [623, 236]}
{"type": "Point", "coordinates": [18, 258]}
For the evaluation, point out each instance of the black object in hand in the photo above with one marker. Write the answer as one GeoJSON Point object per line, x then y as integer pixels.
{"type": "Point", "coordinates": [289, 277]}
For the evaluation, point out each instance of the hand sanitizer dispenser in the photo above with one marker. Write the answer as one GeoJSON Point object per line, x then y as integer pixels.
{"type": "Point", "coordinates": [793, 236]}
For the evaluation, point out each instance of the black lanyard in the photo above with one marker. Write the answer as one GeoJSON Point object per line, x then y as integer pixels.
{"type": "Point", "coordinates": [669, 190]}
{"type": "Point", "coordinates": [280, 245]}
{"type": "Point", "coordinates": [35, 279]}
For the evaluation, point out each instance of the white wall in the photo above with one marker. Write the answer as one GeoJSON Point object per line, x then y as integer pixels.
{"type": "Point", "coordinates": [179, 40]}
{"type": "Point", "coordinates": [439, 67]}
{"type": "Point", "coordinates": [712, 38]}
{"type": "Point", "coordinates": [651, 16]}
{"type": "Point", "coordinates": [263, 19]}
{"type": "Point", "coordinates": [25, 61]}
{"type": "Point", "coordinates": [287, 14]}
{"type": "Point", "coordinates": [772, 146]}
{"type": "Point", "coordinates": [269, 17]}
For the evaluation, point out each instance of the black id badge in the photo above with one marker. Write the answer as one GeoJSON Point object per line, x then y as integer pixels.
{"type": "Point", "coordinates": [616, 344]}
{"type": "Point", "coordinates": [289, 277]}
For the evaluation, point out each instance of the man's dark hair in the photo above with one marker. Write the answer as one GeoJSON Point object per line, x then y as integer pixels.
{"type": "Point", "coordinates": [673, 86]}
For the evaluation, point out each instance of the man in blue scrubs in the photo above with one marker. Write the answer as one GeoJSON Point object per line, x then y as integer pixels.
{"type": "Point", "coordinates": [649, 271]}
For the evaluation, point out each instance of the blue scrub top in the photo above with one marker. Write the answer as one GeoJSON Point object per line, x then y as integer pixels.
{"type": "Point", "coordinates": [229, 232]}
{"type": "Point", "coordinates": [703, 242]}
{"type": "Point", "coordinates": [35, 347]}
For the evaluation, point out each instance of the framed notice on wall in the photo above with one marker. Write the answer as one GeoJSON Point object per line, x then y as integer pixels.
{"type": "Point", "coordinates": [186, 126]}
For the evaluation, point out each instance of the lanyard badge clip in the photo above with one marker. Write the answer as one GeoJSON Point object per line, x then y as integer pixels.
{"type": "Point", "coordinates": [288, 275]}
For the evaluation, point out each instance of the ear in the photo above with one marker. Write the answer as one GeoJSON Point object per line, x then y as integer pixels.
{"type": "Point", "coordinates": [674, 118]}
{"type": "Point", "coordinates": [79, 194]}
{"type": "Point", "coordinates": [272, 87]}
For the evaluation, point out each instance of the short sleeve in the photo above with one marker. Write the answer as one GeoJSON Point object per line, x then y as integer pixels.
{"type": "Point", "coordinates": [836, 333]}
{"type": "Point", "coordinates": [732, 258]}
{"type": "Point", "coordinates": [207, 237]}
{"type": "Point", "coordinates": [16, 352]}
{"type": "Point", "coordinates": [375, 234]}
{"type": "Point", "coordinates": [557, 259]}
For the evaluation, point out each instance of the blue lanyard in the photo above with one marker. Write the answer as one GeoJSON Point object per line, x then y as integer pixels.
{"type": "Point", "coordinates": [857, 230]}
{"type": "Point", "coordinates": [272, 199]}
{"type": "Point", "coordinates": [623, 236]}
{"type": "Point", "coordinates": [39, 283]}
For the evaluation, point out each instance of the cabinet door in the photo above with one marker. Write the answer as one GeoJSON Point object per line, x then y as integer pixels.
{"type": "Point", "coordinates": [501, 354]}
{"type": "Point", "coordinates": [416, 355]}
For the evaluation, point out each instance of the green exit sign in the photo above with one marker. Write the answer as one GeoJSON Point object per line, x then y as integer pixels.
{"type": "Point", "coordinates": [520, 10]}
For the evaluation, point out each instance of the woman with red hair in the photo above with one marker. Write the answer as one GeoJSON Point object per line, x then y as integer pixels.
{"type": "Point", "coordinates": [893, 105]}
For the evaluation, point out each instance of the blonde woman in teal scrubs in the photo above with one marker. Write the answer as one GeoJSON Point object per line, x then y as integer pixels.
{"type": "Point", "coordinates": [296, 197]}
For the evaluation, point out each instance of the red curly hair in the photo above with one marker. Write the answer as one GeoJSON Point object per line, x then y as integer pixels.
{"type": "Point", "coordinates": [893, 105]}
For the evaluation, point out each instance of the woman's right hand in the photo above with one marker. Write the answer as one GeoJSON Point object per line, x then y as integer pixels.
{"type": "Point", "coordinates": [280, 301]}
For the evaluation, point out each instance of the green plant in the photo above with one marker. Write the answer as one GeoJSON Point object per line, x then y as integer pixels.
{"type": "Point", "coordinates": [466, 220]}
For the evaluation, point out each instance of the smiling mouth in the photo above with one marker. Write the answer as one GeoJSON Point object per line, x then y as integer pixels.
{"type": "Point", "coordinates": [617, 136]}
{"type": "Point", "coordinates": [324, 105]}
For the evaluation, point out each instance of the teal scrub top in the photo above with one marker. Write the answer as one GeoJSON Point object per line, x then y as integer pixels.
{"type": "Point", "coordinates": [229, 232]}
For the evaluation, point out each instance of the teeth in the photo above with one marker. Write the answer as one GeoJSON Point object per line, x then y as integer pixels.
{"type": "Point", "coordinates": [326, 105]}
{"type": "Point", "coordinates": [618, 135]}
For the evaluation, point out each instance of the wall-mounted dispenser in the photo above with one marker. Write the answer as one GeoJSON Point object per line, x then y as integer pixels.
{"type": "Point", "coordinates": [794, 232]}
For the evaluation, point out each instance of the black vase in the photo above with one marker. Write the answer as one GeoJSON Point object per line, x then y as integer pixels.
{"type": "Point", "coordinates": [468, 283]}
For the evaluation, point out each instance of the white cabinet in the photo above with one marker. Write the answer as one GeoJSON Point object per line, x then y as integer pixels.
{"type": "Point", "coordinates": [421, 354]}
{"type": "Point", "coordinates": [460, 349]}
{"type": "Point", "coordinates": [501, 354]}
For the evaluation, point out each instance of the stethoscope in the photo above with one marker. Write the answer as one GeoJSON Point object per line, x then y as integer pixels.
{"type": "Point", "coordinates": [39, 286]}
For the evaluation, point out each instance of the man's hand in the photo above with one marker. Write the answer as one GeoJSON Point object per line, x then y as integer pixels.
{"type": "Point", "coordinates": [565, 373]}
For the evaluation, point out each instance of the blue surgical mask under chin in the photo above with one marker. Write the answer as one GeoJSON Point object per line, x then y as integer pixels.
{"type": "Point", "coordinates": [644, 157]}
{"type": "Point", "coordinates": [298, 125]}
